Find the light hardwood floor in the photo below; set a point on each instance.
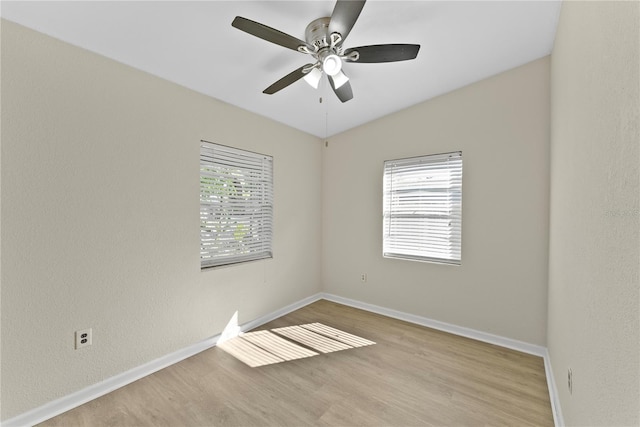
(412, 376)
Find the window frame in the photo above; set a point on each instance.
(418, 223)
(236, 205)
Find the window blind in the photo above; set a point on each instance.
(422, 212)
(236, 205)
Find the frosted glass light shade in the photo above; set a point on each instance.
(313, 77)
(339, 79)
(332, 64)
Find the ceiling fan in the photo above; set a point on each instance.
(324, 38)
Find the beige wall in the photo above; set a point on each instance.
(100, 223)
(502, 127)
(99, 214)
(594, 299)
(0, 228)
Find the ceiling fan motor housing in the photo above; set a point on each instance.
(325, 46)
(317, 35)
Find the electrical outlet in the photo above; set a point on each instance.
(83, 338)
(363, 277)
(570, 380)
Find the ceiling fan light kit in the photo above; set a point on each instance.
(331, 64)
(323, 41)
(313, 77)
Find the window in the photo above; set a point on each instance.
(236, 205)
(422, 213)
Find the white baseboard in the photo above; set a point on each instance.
(66, 403)
(279, 313)
(553, 392)
(73, 400)
(442, 326)
(521, 346)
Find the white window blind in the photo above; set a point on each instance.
(422, 213)
(236, 205)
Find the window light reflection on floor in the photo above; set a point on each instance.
(311, 339)
(261, 348)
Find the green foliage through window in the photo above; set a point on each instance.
(236, 208)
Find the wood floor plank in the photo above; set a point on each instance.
(249, 353)
(338, 335)
(412, 376)
(311, 339)
(277, 345)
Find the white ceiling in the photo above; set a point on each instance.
(193, 44)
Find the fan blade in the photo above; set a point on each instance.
(267, 33)
(344, 16)
(343, 92)
(292, 77)
(384, 52)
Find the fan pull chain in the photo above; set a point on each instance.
(326, 126)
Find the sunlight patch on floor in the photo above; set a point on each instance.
(311, 339)
(277, 345)
(261, 348)
(336, 334)
(249, 353)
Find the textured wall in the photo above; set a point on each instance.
(594, 299)
(501, 124)
(100, 218)
(0, 233)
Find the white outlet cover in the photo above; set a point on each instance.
(83, 338)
